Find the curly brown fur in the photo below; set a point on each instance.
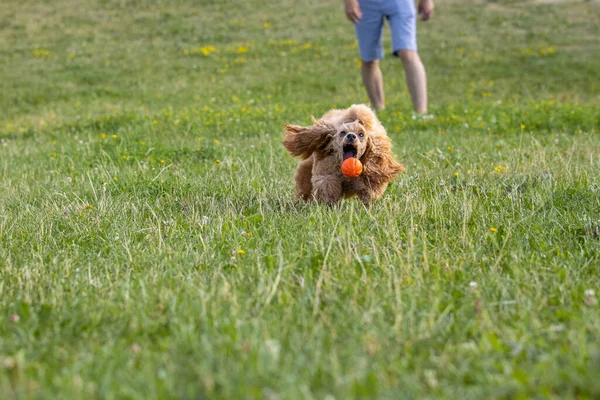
(339, 134)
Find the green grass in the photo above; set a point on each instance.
(151, 247)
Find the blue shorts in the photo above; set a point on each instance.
(402, 18)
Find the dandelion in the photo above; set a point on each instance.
(142, 143)
(115, 178)
(523, 126)
(242, 50)
(89, 207)
(154, 122)
(218, 161)
(449, 148)
(186, 52)
(114, 136)
(493, 230)
(240, 252)
(266, 24)
(124, 157)
(162, 161)
(54, 142)
(215, 141)
(500, 169)
(248, 234)
(456, 173)
(104, 135)
(53, 155)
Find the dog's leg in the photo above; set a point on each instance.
(327, 189)
(369, 194)
(304, 179)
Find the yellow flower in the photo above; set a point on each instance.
(218, 161)
(114, 136)
(142, 143)
(41, 53)
(104, 135)
(186, 52)
(456, 173)
(154, 122)
(124, 157)
(242, 50)
(53, 155)
(207, 50)
(266, 24)
(115, 178)
(493, 230)
(248, 234)
(500, 169)
(215, 141)
(449, 148)
(89, 207)
(522, 126)
(54, 142)
(240, 251)
(162, 161)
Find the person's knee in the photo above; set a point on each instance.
(370, 65)
(408, 56)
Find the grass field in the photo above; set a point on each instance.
(151, 246)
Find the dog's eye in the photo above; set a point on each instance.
(343, 133)
(361, 135)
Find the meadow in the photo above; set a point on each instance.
(151, 245)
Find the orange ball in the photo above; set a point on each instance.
(352, 167)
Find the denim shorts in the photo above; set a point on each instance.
(402, 19)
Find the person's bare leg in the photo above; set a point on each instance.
(373, 80)
(416, 80)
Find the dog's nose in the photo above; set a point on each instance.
(351, 137)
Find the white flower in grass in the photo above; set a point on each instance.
(590, 297)
(136, 348)
(473, 285)
(69, 179)
(205, 220)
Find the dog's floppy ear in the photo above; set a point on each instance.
(378, 164)
(302, 141)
